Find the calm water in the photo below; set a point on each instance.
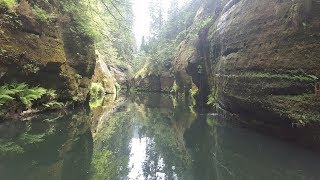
(146, 137)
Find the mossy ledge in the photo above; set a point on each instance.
(38, 49)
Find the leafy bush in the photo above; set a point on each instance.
(96, 91)
(8, 4)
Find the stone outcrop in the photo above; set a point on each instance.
(259, 58)
(102, 74)
(46, 53)
(154, 83)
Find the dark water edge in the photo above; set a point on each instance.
(148, 136)
(304, 136)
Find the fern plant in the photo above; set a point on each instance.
(6, 94)
(53, 105)
(27, 95)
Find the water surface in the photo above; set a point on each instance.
(146, 136)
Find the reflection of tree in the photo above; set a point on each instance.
(151, 164)
(111, 147)
(50, 145)
(162, 129)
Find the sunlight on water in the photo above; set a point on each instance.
(137, 157)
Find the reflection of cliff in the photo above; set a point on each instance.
(58, 148)
(233, 153)
(111, 135)
(100, 113)
(164, 125)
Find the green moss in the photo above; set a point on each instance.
(96, 103)
(303, 110)
(31, 68)
(96, 91)
(283, 76)
(175, 87)
(10, 147)
(8, 4)
(212, 98)
(78, 76)
(290, 77)
(117, 86)
(43, 15)
(211, 121)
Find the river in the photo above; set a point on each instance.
(148, 136)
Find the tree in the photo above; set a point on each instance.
(156, 14)
(143, 46)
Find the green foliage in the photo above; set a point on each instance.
(211, 120)
(302, 110)
(31, 67)
(10, 147)
(175, 87)
(290, 77)
(52, 105)
(167, 34)
(212, 99)
(118, 87)
(5, 95)
(111, 149)
(8, 4)
(78, 76)
(24, 138)
(94, 103)
(27, 138)
(52, 94)
(108, 24)
(26, 95)
(43, 15)
(96, 91)
(205, 23)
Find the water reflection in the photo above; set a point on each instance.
(146, 137)
(49, 147)
(151, 134)
(166, 140)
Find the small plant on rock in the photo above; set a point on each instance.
(8, 4)
(96, 91)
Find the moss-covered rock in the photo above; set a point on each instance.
(47, 53)
(103, 75)
(255, 53)
(255, 56)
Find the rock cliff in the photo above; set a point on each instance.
(257, 58)
(40, 45)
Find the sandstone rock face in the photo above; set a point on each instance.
(154, 83)
(166, 83)
(150, 83)
(48, 54)
(260, 58)
(102, 74)
(264, 50)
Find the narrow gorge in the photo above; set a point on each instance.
(151, 89)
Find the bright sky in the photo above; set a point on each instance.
(142, 18)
